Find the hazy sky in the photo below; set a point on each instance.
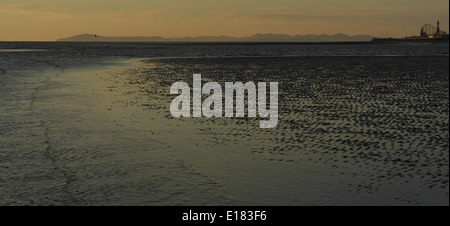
(42, 20)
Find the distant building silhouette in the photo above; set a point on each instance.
(430, 31)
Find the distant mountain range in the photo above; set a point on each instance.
(254, 38)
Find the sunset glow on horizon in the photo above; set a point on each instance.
(48, 20)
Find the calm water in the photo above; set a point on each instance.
(89, 124)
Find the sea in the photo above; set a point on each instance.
(89, 124)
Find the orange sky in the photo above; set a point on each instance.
(48, 20)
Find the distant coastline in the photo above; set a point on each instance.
(255, 38)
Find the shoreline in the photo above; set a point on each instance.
(281, 43)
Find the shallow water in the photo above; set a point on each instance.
(92, 126)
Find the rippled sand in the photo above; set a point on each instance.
(352, 131)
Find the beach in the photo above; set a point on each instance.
(94, 127)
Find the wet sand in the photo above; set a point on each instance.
(77, 153)
(352, 131)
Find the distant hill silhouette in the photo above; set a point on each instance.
(254, 38)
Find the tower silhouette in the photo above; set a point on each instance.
(438, 30)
